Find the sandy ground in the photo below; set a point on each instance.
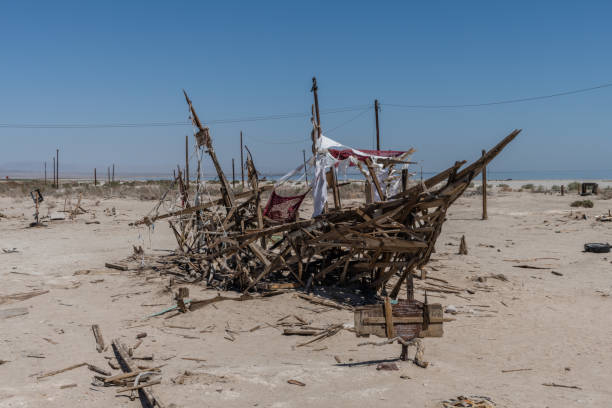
(557, 327)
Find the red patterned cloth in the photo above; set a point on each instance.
(283, 209)
(346, 153)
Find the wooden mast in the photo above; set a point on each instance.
(315, 88)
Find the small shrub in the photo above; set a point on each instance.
(504, 188)
(606, 193)
(527, 186)
(556, 188)
(540, 189)
(582, 203)
(574, 186)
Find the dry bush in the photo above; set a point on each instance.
(505, 188)
(605, 193)
(582, 203)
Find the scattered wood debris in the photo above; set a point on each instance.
(116, 266)
(552, 384)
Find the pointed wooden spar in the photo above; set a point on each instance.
(476, 167)
(381, 195)
(226, 191)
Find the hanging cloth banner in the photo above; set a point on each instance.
(283, 209)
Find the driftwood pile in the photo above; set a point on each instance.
(227, 243)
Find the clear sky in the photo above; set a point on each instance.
(65, 62)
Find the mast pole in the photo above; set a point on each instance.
(376, 109)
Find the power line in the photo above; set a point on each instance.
(348, 121)
(502, 102)
(292, 115)
(171, 124)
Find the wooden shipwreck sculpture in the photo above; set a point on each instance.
(225, 242)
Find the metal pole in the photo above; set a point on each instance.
(108, 174)
(187, 161)
(305, 172)
(233, 174)
(376, 108)
(95, 177)
(484, 190)
(57, 164)
(241, 159)
(53, 184)
(113, 179)
(45, 173)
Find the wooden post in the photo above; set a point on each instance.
(335, 189)
(57, 165)
(305, 172)
(376, 108)
(95, 177)
(241, 159)
(187, 161)
(463, 249)
(368, 192)
(484, 190)
(404, 179)
(314, 90)
(233, 174)
(562, 190)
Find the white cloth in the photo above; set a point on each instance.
(319, 186)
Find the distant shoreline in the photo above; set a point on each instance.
(515, 184)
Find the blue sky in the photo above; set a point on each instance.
(127, 62)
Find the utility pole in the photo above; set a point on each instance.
(113, 179)
(305, 172)
(241, 159)
(108, 174)
(187, 161)
(484, 190)
(57, 164)
(53, 184)
(233, 174)
(45, 173)
(376, 109)
(95, 177)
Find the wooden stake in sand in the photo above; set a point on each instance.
(97, 332)
(484, 189)
(463, 246)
